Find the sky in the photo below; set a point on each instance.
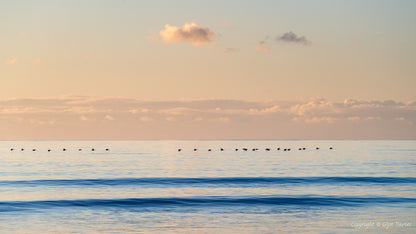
(207, 69)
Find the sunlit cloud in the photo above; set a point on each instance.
(109, 117)
(312, 120)
(316, 118)
(176, 111)
(85, 118)
(133, 111)
(190, 33)
(226, 25)
(37, 61)
(12, 61)
(263, 49)
(41, 122)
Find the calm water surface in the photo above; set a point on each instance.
(150, 186)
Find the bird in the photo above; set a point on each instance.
(11, 149)
(245, 149)
(317, 148)
(107, 149)
(236, 149)
(209, 149)
(284, 149)
(92, 149)
(222, 149)
(267, 149)
(278, 148)
(79, 149)
(195, 149)
(22, 149)
(33, 149)
(49, 150)
(179, 149)
(304, 148)
(63, 149)
(330, 148)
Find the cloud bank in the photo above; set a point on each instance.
(124, 118)
(190, 33)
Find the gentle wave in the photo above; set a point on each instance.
(208, 201)
(217, 181)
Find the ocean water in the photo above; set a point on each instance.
(151, 187)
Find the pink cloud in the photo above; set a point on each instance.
(263, 49)
(190, 32)
(12, 61)
(314, 118)
(37, 61)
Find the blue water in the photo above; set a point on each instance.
(150, 186)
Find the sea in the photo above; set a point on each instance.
(232, 186)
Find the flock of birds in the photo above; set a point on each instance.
(256, 149)
(195, 149)
(63, 149)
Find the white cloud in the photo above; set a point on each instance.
(190, 32)
(323, 119)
